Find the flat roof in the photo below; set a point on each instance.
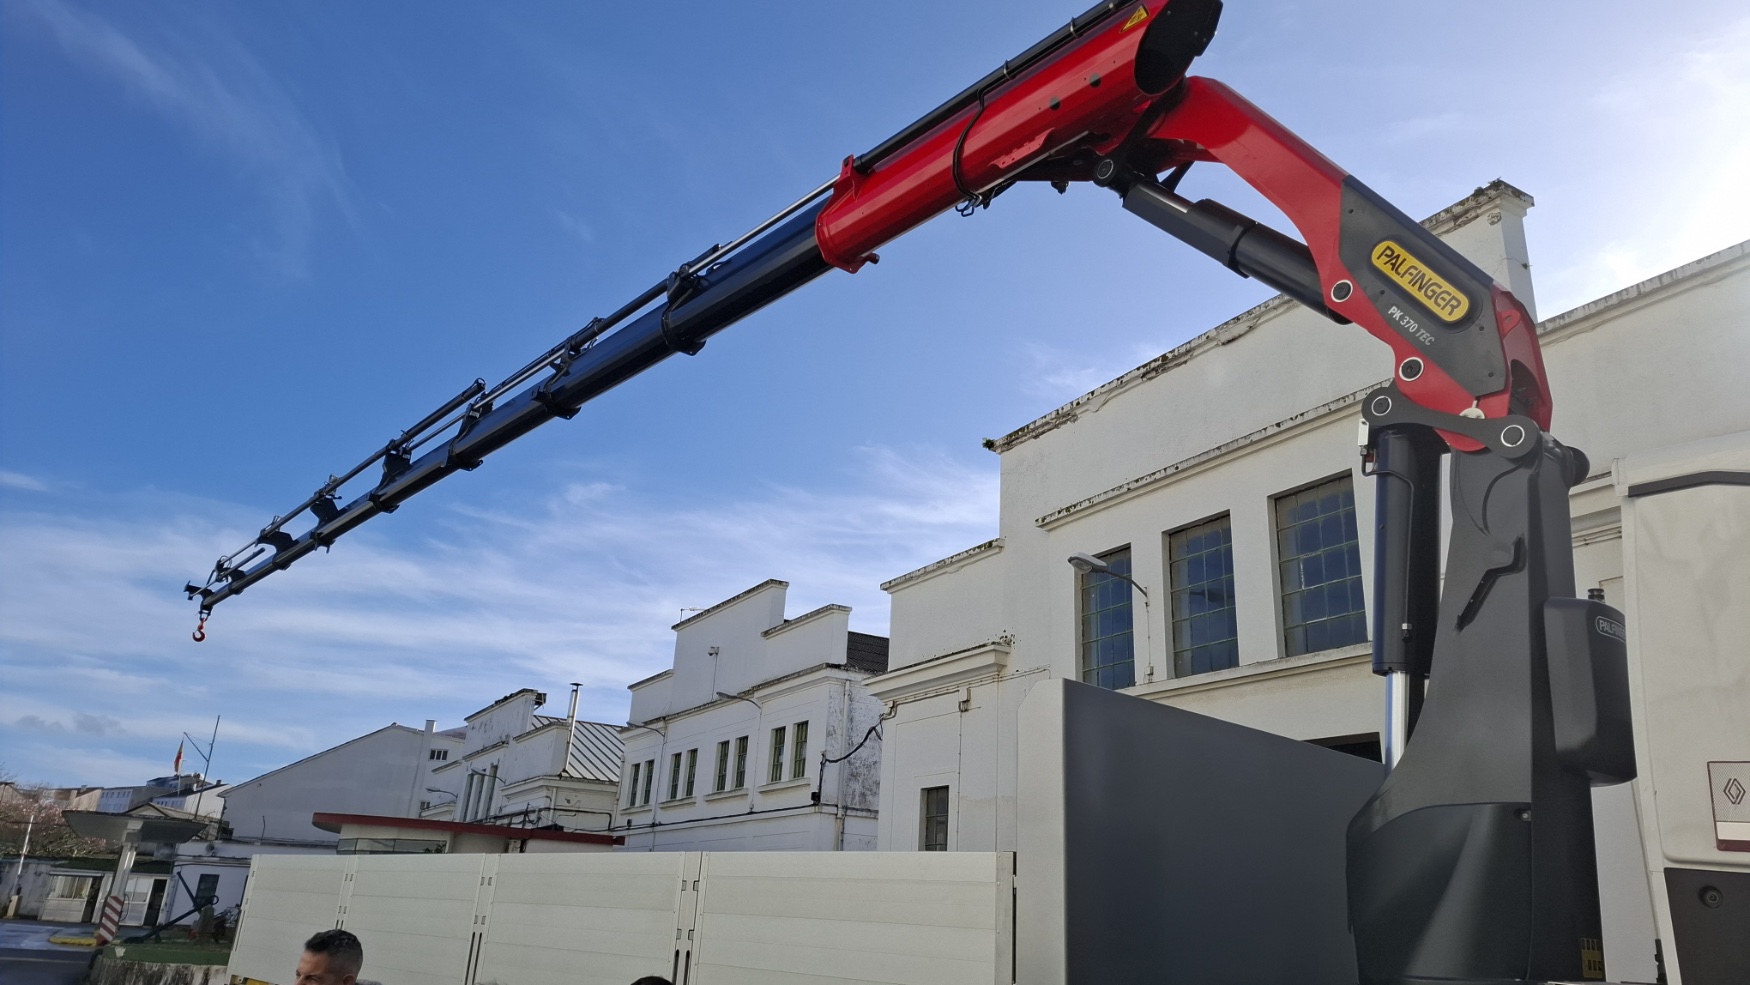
(333, 822)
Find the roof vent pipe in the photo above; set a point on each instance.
(573, 716)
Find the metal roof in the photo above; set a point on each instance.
(596, 752)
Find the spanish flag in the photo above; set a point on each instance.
(177, 766)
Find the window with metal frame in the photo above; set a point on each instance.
(1108, 655)
(799, 755)
(1201, 576)
(775, 770)
(1318, 552)
(649, 777)
(933, 820)
(692, 771)
(722, 783)
(740, 762)
(388, 846)
(71, 887)
(674, 776)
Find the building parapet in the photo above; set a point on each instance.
(726, 603)
(952, 562)
(1694, 274)
(806, 617)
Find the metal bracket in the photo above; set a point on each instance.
(1513, 436)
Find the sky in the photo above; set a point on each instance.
(243, 244)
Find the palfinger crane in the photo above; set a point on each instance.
(1474, 861)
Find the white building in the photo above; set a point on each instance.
(1224, 478)
(762, 735)
(201, 801)
(120, 800)
(382, 772)
(528, 770)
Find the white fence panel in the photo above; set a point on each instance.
(289, 898)
(719, 918)
(417, 914)
(827, 918)
(584, 919)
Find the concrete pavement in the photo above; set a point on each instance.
(27, 957)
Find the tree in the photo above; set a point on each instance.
(29, 807)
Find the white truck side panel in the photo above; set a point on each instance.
(290, 897)
(1686, 567)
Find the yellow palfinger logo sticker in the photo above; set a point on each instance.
(1447, 302)
(1136, 18)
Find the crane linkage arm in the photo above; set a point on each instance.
(1103, 99)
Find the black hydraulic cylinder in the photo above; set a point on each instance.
(1238, 243)
(1406, 548)
(767, 269)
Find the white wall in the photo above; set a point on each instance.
(780, 672)
(373, 774)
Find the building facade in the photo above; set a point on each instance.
(381, 772)
(1223, 477)
(524, 769)
(761, 736)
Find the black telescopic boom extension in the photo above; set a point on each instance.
(702, 298)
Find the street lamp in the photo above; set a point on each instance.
(1088, 564)
(725, 695)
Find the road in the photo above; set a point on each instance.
(27, 957)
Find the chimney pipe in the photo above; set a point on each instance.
(574, 689)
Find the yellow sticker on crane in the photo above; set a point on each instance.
(1136, 18)
(1447, 302)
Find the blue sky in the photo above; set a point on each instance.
(242, 244)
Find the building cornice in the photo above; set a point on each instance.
(652, 679)
(984, 660)
(1699, 273)
(806, 617)
(726, 603)
(539, 701)
(1252, 673)
(953, 562)
(1261, 438)
(772, 688)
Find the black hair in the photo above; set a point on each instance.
(652, 980)
(338, 945)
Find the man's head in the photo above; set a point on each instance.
(332, 957)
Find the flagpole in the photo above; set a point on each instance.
(210, 745)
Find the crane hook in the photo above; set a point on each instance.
(200, 631)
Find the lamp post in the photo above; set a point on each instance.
(1088, 564)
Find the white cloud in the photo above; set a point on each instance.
(1663, 182)
(18, 480)
(580, 585)
(212, 86)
